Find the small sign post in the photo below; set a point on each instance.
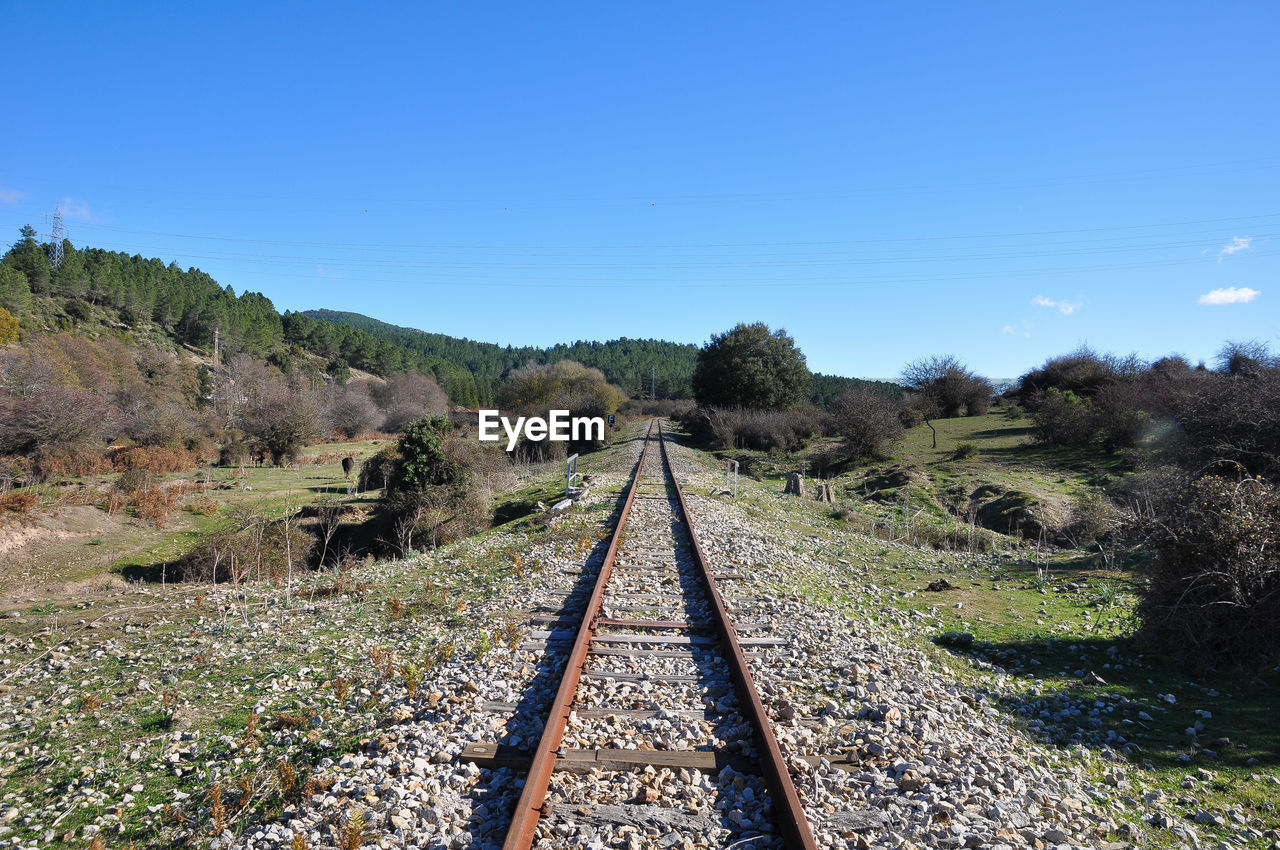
(731, 476)
(570, 473)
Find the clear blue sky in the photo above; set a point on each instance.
(886, 181)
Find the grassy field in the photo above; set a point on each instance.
(1054, 626)
(74, 543)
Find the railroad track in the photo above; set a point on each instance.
(656, 706)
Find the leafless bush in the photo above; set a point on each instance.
(762, 430)
(1093, 519)
(406, 398)
(350, 411)
(1214, 592)
(669, 407)
(255, 549)
(53, 421)
(867, 420)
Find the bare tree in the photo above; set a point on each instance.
(949, 384)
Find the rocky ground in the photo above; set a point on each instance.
(230, 717)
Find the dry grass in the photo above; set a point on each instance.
(20, 502)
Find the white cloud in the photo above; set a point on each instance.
(71, 208)
(1066, 308)
(1230, 295)
(10, 196)
(1007, 329)
(1238, 244)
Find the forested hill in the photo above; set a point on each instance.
(129, 296)
(629, 363)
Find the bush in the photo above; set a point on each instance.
(438, 485)
(377, 471)
(134, 479)
(21, 502)
(203, 505)
(260, 552)
(964, 451)
(1214, 593)
(761, 430)
(8, 327)
(158, 460)
(672, 408)
(281, 424)
(867, 420)
(154, 504)
(351, 412)
(1083, 372)
(53, 421)
(1093, 518)
(1063, 419)
(71, 463)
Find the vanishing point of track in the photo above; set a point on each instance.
(676, 616)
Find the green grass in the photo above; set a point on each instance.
(124, 545)
(1043, 619)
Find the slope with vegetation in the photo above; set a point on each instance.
(640, 366)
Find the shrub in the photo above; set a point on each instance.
(964, 451)
(134, 479)
(1093, 518)
(378, 470)
(281, 424)
(761, 430)
(351, 411)
(867, 420)
(8, 327)
(203, 506)
(1214, 593)
(71, 463)
(1083, 372)
(153, 459)
(438, 485)
(154, 505)
(1063, 419)
(53, 421)
(21, 502)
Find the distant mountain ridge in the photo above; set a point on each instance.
(629, 363)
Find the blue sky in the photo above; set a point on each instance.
(886, 181)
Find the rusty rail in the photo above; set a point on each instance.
(787, 807)
(524, 822)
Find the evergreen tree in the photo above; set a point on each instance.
(751, 366)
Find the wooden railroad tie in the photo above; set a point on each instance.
(492, 755)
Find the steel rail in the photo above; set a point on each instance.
(529, 808)
(787, 807)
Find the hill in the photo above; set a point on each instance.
(629, 363)
(96, 291)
